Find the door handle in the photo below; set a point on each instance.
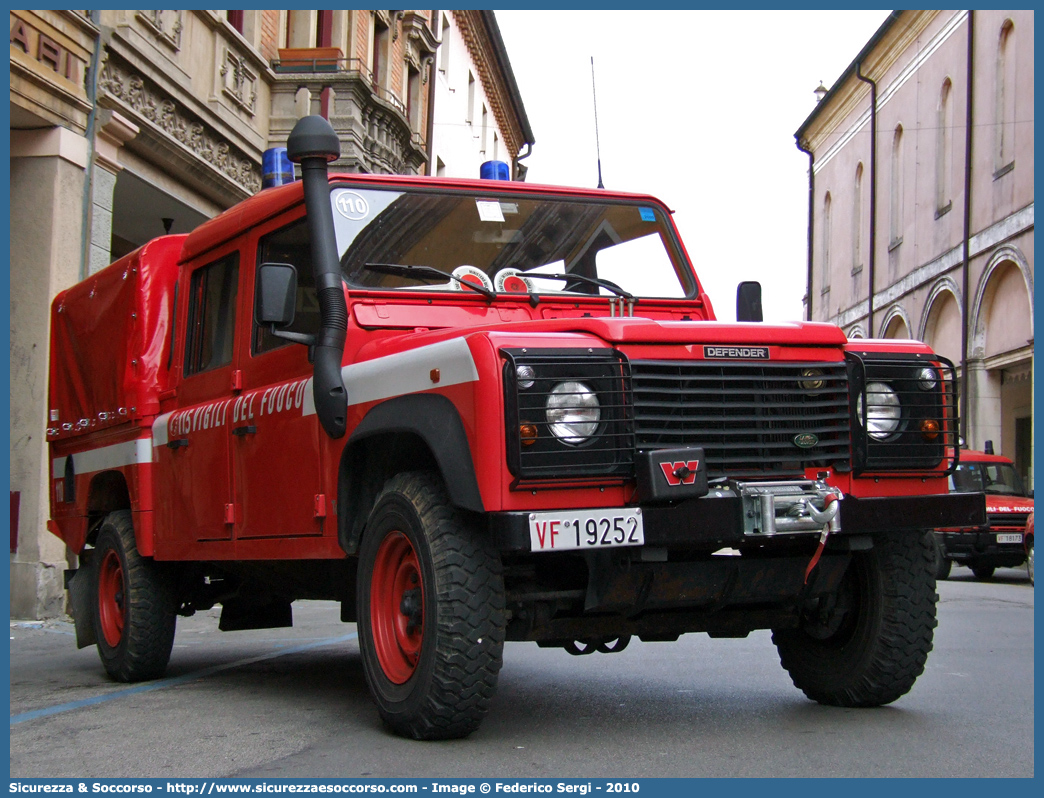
(177, 443)
(249, 429)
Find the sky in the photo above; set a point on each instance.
(697, 108)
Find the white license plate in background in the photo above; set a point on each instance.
(1015, 537)
(586, 529)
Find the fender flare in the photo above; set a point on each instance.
(434, 419)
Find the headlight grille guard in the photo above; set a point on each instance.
(909, 451)
(608, 457)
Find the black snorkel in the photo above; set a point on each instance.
(313, 144)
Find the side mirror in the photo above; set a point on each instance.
(276, 297)
(748, 301)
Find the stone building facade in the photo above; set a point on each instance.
(921, 206)
(128, 124)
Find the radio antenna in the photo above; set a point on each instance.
(598, 148)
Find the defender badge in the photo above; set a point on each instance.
(736, 352)
(806, 440)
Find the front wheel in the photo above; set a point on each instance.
(133, 607)
(872, 647)
(431, 612)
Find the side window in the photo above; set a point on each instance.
(212, 315)
(289, 245)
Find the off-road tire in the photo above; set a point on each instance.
(882, 642)
(437, 679)
(984, 573)
(132, 604)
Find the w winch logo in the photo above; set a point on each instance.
(680, 473)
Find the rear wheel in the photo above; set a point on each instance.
(134, 613)
(873, 645)
(983, 573)
(431, 612)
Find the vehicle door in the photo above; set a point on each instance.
(276, 453)
(194, 495)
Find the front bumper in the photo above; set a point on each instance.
(687, 577)
(979, 548)
(714, 522)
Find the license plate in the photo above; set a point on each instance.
(1009, 537)
(586, 529)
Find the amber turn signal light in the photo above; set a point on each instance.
(929, 429)
(527, 433)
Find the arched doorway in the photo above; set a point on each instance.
(896, 327)
(1001, 351)
(942, 328)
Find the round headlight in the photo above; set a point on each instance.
(882, 410)
(525, 377)
(927, 379)
(573, 412)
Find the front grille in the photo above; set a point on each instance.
(752, 419)
(1012, 520)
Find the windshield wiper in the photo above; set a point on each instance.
(580, 278)
(425, 273)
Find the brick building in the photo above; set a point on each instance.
(126, 124)
(921, 189)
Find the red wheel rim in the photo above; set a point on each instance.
(397, 607)
(112, 609)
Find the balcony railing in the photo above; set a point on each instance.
(325, 60)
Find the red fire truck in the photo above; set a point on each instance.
(474, 411)
(1007, 542)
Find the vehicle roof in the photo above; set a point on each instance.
(271, 201)
(974, 456)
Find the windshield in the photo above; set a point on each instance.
(507, 243)
(999, 478)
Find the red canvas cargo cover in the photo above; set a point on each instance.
(110, 342)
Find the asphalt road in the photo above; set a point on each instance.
(293, 703)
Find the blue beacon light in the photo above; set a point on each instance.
(494, 170)
(276, 169)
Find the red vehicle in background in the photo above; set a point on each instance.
(1007, 542)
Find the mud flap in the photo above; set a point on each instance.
(79, 583)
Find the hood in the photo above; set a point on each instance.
(637, 330)
(1008, 504)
